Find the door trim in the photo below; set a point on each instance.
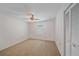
(68, 9)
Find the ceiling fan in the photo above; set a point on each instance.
(32, 17)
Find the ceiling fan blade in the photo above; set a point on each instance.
(37, 19)
(25, 18)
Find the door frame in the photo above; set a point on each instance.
(68, 9)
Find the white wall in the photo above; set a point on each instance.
(60, 29)
(43, 30)
(12, 31)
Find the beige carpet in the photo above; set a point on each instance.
(32, 47)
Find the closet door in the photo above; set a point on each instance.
(67, 33)
(75, 30)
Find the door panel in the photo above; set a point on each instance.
(75, 30)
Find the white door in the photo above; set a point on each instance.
(75, 30)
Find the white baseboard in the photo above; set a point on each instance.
(41, 38)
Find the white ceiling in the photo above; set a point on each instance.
(43, 11)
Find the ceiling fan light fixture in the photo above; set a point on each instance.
(32, 18)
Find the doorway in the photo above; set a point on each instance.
(71, 30)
